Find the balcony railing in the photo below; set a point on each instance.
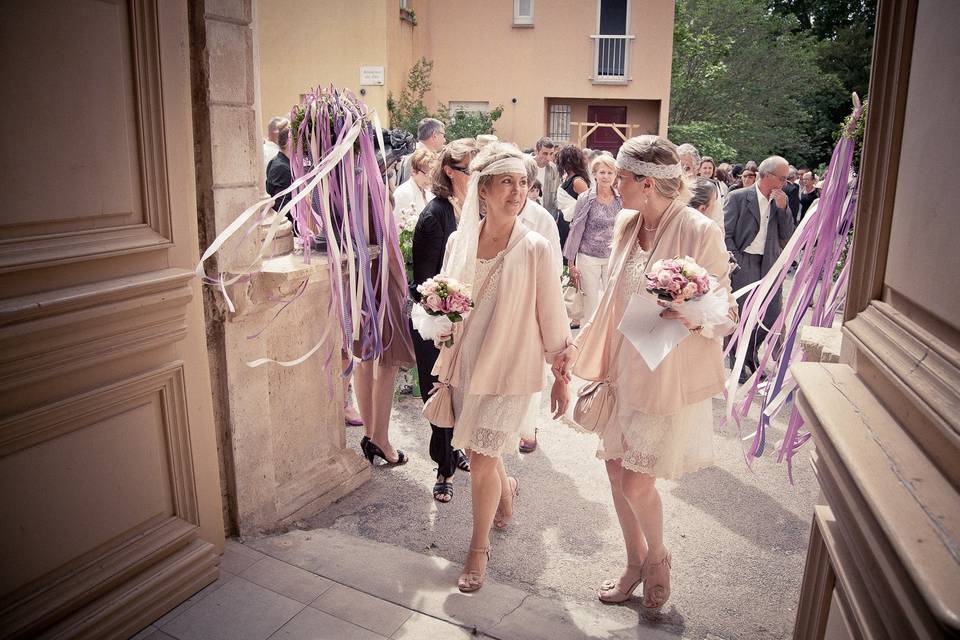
(611, 58)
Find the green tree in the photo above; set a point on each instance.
(408, 109)
(755, 75)
(468, 124)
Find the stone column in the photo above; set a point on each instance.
(280, 430)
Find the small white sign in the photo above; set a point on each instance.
(371, 76)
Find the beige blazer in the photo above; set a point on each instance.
(529, 324)
(694, 369)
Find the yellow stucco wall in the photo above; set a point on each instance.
(478, 55)
(303, 43)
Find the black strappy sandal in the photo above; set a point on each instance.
(463, 462)
(443, 488)
(375, 451)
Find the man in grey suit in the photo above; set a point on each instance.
(758, 223)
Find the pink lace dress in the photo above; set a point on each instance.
(661, 446)
(487, 423)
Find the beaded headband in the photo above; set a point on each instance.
(648, 169)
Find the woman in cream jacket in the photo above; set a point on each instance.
(661, 426)
(518, 322)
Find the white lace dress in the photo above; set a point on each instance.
(662, 446)
(487, 424)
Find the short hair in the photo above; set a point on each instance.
(276, 123)
(701, 192)
(536, 185)
(283, 134)
(423, 160)
(545, 141)
(532, 168)
(687, 149)
(708, 159)
(792, 173)
(454, 153)
(604, 159)
(769, 165)
(427, 127)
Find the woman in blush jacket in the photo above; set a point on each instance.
(662, 423)
(495, 367)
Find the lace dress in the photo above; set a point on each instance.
(487, 423)
(661, 446)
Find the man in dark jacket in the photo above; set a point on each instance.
(278, 173)
(758, 223)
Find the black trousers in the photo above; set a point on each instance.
(751, 270)
(441, 450)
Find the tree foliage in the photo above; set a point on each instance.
(407, 110)
(754, 71)
(468, 124)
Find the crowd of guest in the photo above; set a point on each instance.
(593, 222)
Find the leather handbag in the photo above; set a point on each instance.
(438, 409)
(596, 403)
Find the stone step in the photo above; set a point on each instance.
(427, 585)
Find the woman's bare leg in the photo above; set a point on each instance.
(633, 538)
(374, 386)
(486, 491)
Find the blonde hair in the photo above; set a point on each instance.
(656, 150)
(454, 153)
(423, 160)
(604, 159)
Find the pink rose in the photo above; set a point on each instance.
(434, 302)
(690, 290)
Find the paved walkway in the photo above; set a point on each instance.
(382, 562)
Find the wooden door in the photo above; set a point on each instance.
(606, 138)
(110, 500)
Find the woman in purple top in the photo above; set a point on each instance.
(587, 249)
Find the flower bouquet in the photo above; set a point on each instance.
(443, 301)
(406, 223)
(687, 287)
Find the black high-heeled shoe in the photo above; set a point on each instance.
(375, 451)
(365, 447)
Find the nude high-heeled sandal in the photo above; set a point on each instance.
(470, 581)
(610, 592)
(656, 583)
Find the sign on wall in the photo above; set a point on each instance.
(371, 76)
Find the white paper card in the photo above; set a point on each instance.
(652, 336)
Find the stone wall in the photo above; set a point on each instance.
(280, 430)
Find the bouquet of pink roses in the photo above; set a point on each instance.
(443, 301)
(687, 287)
(677, 280)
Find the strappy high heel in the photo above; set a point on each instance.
(656, 583)
(499, 522)
(375, 451)
(470, 581)
(610, 592)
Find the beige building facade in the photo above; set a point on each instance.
(553, 65)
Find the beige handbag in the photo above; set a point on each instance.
(573, 301)
(438, 409)
(596, 400)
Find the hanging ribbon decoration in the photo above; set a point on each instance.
(818, 243)
(338, 199)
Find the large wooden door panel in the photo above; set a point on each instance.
(110, 500)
